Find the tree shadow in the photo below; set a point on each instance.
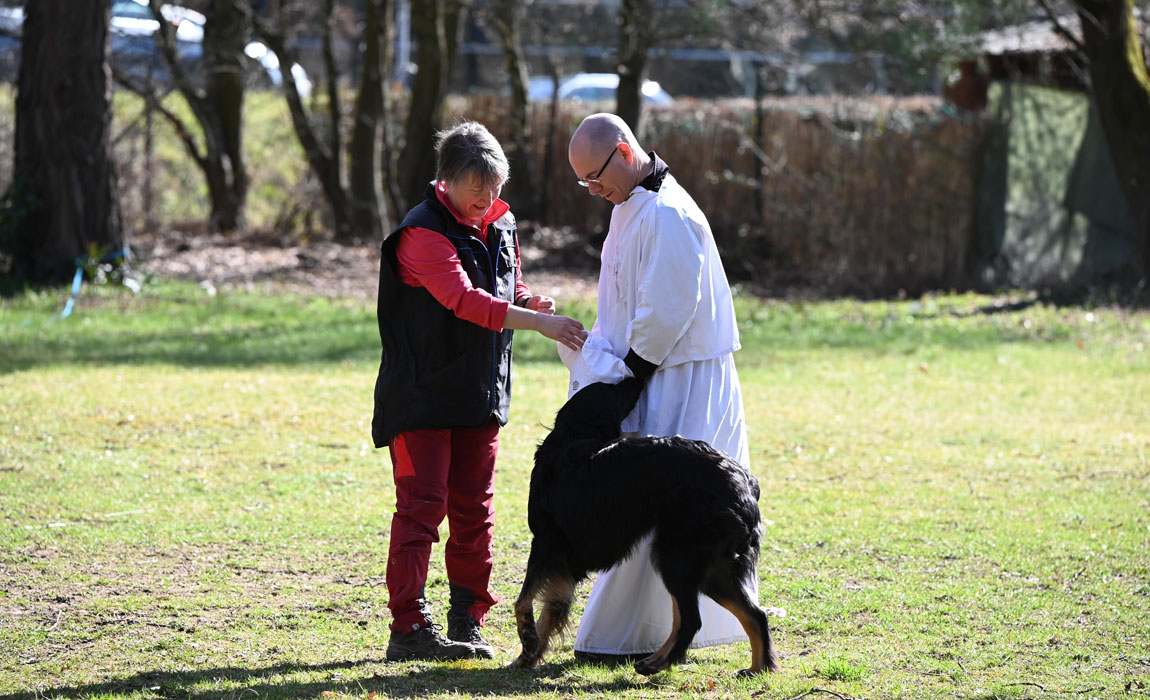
(420, 681)
(321, 342)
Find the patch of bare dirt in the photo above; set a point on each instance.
(556, 262)
(133, 591)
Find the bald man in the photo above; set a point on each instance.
(665, 314)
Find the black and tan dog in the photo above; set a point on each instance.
(595, 494)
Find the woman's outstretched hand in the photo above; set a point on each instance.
(541, 304)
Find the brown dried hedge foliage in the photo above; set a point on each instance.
(863, 196)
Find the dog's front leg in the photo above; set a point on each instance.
(525, 624)
(558, 592)
(533, 582)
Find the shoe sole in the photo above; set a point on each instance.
(420, 657)
(482, 651)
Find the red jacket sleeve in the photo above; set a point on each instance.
(428, 260)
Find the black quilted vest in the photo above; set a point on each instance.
(437, 370)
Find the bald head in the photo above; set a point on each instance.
(605, 152)
(601, 132)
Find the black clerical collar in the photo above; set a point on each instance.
(659, 170)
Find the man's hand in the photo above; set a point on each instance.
(538, 314)
(561, 329)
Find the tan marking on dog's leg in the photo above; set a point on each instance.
(658, 660)
(754, 634)
(525, 624)
(557, 597)
(675, 622)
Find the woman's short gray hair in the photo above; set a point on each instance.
(468, 149)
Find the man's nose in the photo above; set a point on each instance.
(594, 187)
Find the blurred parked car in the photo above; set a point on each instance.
(134, 18)
(591, 87)
(132, 44)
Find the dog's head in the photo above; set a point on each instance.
(597, 410)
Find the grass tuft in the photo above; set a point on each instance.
(839, 669)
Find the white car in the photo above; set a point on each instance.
(592, 87)
(135, 18)
(132, 44)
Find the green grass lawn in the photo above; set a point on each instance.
(957, 503)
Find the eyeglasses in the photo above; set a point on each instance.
(586, 181)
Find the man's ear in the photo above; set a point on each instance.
(627, 153)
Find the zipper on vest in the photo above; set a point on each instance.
(495, 358)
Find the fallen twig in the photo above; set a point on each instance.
(1028, 683)
(822, 690)
(123, 512)
(59, 617)
(1074, 578)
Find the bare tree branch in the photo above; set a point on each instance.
(181, 129)
(1059, 29)
(166, 40)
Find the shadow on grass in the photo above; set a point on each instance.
(177, 326)
(270, 681)
(335, 340)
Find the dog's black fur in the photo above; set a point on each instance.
(595, 494)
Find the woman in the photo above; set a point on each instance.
(450, 295)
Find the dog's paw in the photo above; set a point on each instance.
(650, 666)
(523, 661)
(747, 672)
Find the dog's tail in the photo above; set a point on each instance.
(746, 510)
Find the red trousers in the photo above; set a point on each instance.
(442, 473)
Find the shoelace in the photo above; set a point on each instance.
(436, 629)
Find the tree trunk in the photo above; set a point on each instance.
(635, 32)
(436, 25)
(225, 35)
(507, 20)
(541, 212)
(63, 178)
(369, 214)
(219, 110)
(1122, 91)
(331, 74)
(390, 128)
(323, 156)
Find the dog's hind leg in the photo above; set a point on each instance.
(674, 651)
(681, 573)
(676, 621)
(729, 593)
(658, 660)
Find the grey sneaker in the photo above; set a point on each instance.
(464, 628)
(427, 644)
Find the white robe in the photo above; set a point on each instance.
(663, 293)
